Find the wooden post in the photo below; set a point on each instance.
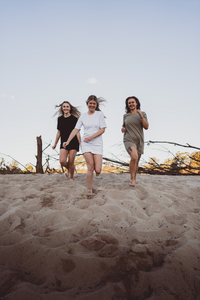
(39, 155)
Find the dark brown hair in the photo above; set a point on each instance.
(127, 109)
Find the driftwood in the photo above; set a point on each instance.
(188, 165)
(178, 166)
(173, 143)
(39, 168)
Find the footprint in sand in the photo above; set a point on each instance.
(176, 219)
(82, 204)
(47, 200)
(73, 214)
(101, 200)
(68, 265)
(92, 244)
(108, 251)
(142, 193)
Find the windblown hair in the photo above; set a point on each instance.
(127, 109)
(97, 100)
(73, 111)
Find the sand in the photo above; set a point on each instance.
(59, 242)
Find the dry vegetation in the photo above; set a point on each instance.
(181, 163)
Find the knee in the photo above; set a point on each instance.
(90, 167)
(134, 157)
(71, 164)
(98, 170)
(62, 162)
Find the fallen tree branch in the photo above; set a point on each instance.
(173, 143)
(116, 161)
(194, 158)
(16, 161)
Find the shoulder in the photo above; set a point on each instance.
(60, 118)
(126, 115)
(99, 113)
(144, 114)
(73, 118)
(84, 115)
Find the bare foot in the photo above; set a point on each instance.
(71, 179)
(67, 173)
(97, 174)
(132, 183)
(136, 182)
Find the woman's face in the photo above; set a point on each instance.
(132, 104)
(92, 105)
(66, 108)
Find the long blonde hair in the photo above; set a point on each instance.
(73, 110)
(97, 100)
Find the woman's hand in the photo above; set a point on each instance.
(140, 113)
(123, 129)
(144, 122)
(56, 140)
(65, 144)
(88, 139)
(98, 133)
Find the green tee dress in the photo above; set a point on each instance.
(134, 131)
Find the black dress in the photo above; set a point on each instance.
(65, 126)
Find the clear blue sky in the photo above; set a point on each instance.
(56, 50)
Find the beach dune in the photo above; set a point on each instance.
(57, 241)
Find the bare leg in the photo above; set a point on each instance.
(133, 164)
(139, 155)
(63, 160)
(89, 158)
(97, 164)
(72, 154)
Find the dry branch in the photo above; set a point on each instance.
(173, 143)
(17, 162)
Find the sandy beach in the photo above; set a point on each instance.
(59, 242)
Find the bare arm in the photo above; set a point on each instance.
(98, 133)
(56, 140)
(144, 123)
(72, 135)
(79, 137)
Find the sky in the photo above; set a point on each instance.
(65, 50)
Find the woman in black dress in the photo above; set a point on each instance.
(66, 123)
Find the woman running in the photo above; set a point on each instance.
(66, 123)
(94, 126)
(133, 123)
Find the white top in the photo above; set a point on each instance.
(92, 124)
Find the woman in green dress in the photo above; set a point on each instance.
(133, 123)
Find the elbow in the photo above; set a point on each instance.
(76, 131)
(103, 130)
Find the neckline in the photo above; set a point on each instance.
(66, 117)
(133, 114)
(91, 114)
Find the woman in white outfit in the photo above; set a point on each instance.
(94, 126)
